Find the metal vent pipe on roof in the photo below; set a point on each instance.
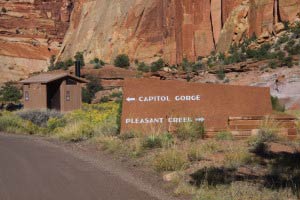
(77, 68)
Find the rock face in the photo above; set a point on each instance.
(145, 30)
(172, 29)
(30, 32)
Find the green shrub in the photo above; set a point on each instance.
(273, 64)
(79, 57)
(10, 93)
(276, 105)
(39, 117)
(197, 66)
(296, 30)
(268, 132)
(152, 141)
(75, 132)
(190, 130)
(167, 140)
(186, 65)
(92, 87)
(170, 160)
(13, 124)
(283, 39)
(122, 61)
(97, 63)
(224, 135)
(221, 74)
(157, 65)
(53, 123)
(287, 61)
(143, 67)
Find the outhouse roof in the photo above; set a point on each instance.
(49, 77)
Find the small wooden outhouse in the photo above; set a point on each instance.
(59, 91)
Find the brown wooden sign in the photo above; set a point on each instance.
(151, 104)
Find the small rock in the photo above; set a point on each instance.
(170, 176)
(279, 27)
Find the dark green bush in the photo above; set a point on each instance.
(283, 39)
(92, 87)
(79, 57)
(157, 65)
(287, 61)
(276, 105)
(151, 142)
(122, 61)
(60, 65)
(273, 64)
(221, 74)
(97, 63)
(143, 67)
(10, 93)
(296, 30)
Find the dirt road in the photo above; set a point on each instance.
(33, 171)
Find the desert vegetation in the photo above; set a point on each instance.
(122, 61)
(10, 93)
(218, 168)
(66, 64)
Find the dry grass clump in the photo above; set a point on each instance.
(184, 189)
(170, 160)
(237, 157)
(191, 130)
(75, 132)
(224, 135)
(241, 191)
(110, 143)
(12, 123)
(210, 147)
(135, 147)
(152, 141)
(195, 153)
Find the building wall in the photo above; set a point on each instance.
(74, 102)
(37, 96)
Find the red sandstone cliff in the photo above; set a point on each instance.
(172, 29)
(32, 30)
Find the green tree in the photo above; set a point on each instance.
(92, 87)
(122, 61)
(79, 57)
(9, 92)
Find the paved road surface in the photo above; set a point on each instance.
(31, 171)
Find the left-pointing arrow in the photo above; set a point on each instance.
(129, 99)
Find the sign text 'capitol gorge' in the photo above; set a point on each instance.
(164, 98)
